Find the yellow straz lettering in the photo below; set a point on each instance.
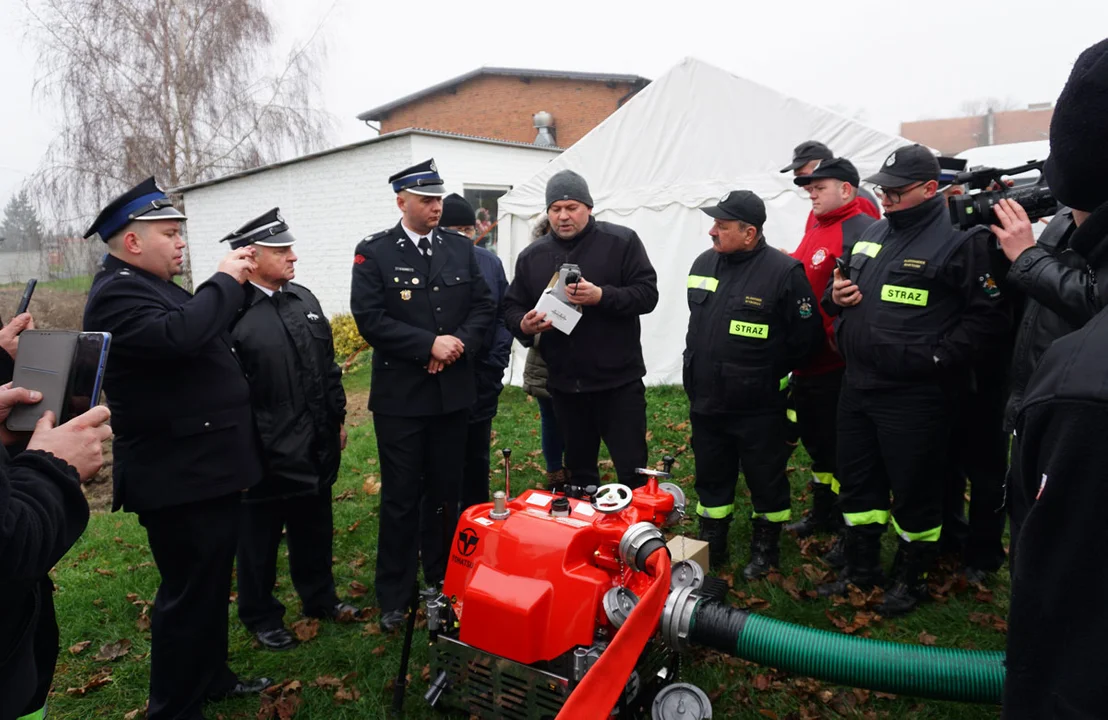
(904, 295)
(751, 330)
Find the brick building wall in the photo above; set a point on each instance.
(953, 135)
(501, 107)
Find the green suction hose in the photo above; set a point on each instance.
(914, 670)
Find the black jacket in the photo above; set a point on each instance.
(752, 320)
(1061, 295)
(929, 301)
(284, 344)
(401, 303)
(1057, 627)
(42, 514)
(605, 350)
(180, 403)
(496, 348)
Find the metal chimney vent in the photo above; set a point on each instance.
(544, 122)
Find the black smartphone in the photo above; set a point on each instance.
(28, 291)
(844, 269)
(89, 361)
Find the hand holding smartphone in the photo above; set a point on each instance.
(66, 367)
(25, 301)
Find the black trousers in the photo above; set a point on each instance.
(894, 442)
(721, 443)
(309, 524)
(817, 409)
(979, 452)
(421, 477)
(475, 483)
(194, 548)
(616, 416)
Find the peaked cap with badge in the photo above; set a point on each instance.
(267, 230)
(907, 165)
(421, 179)
(145, 201)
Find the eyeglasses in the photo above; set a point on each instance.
(896, 194)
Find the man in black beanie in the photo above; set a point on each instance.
(1057, 624)
(595, 373)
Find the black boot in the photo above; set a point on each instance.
(819, 517)
(765, 548)
(714, 532)
(862, 547)
(909, 589)
(836, 556)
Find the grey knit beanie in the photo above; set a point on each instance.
(567, 185)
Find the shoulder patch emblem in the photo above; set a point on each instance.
(359, 259)
(818, 257)
(312, 316)
(988, 285)
(804, 308)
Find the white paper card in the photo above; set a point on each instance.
(564, 316)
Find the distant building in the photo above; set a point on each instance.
(953, 135)
(501, 103)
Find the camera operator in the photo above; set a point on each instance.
(1057, 624)
(595, 374)
(42, 514)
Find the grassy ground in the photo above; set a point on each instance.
(345, 671)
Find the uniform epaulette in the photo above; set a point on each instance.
(375, 236)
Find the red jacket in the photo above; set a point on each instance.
(823, 243)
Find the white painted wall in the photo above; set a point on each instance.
(332, 202)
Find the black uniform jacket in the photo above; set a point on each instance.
(402, 302)
(929, 301)
(179, 399)
(1057, 624)
(284, 344)
(604, 351)
(752, 320)
(1061, 292)
(42, 514)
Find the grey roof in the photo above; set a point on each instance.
(379, 113)
(351, 146)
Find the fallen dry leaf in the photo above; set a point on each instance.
(761, 682)
(926, 639)
(306, 629)
(372, 485)
(113, 651)
(143, 622)
(105, 573)
(357, 589)
(354, 527)
(80, 647)
(347, 494)
(99, 680)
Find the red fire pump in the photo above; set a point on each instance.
(557, 593)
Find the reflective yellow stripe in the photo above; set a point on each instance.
(869, 517)
(904, 295)
(751, 330)
(835, 486)
(869, 249)
(716, 513)
(790, 415)
(823, 478)
(784, 383)
(36, 715)
(777, 517)
(702, 282)
(931, 535)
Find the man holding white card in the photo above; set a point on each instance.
(594, 360)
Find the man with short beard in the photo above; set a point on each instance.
(185, 446)
(420, 301)
(595, 373)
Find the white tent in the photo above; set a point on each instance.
(680, 144)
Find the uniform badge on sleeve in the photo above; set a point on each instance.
(804, 307)
(989, 285)
(358, 259)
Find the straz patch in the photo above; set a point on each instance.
(913, 264)
(753, 301)
(750, 330)
(804, 307)
(988, 284)
(904, 295)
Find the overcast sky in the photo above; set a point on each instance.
(872, 60)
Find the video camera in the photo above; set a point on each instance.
(976, 208)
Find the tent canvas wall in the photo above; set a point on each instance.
(680, 144)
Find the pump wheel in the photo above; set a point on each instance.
(611, 498)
